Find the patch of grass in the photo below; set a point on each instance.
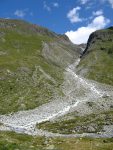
(12, 141)
(1, 124)
(79, 124)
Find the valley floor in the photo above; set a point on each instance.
(13, 141)
(79, 93)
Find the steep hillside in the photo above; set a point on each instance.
(97, 59)
(40, 68)
(32, 60)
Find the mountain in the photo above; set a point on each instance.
(91, 83)
(32, 61)
(97, 59)
(47, 100)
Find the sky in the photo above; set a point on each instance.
(75, 18)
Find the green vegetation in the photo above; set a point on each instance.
(27, 78)
(21, 82)
(79, 124)
(98, 60)
(13, 141)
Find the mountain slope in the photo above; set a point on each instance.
(32, 60)
(38, 66)
(97, 59)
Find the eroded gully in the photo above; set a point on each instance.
(25, 121)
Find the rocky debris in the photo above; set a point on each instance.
(26, 120)
(2, 34)
(59, 54)
(86, 129)
(78, 92)
(3, 53)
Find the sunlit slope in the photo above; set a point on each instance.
(97, 60)
(30, 69)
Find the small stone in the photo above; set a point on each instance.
(50, 147)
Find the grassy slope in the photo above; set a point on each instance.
(12, 141)
(79, 124)
(98, 62)
(27, 79)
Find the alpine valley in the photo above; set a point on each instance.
(54, 95)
